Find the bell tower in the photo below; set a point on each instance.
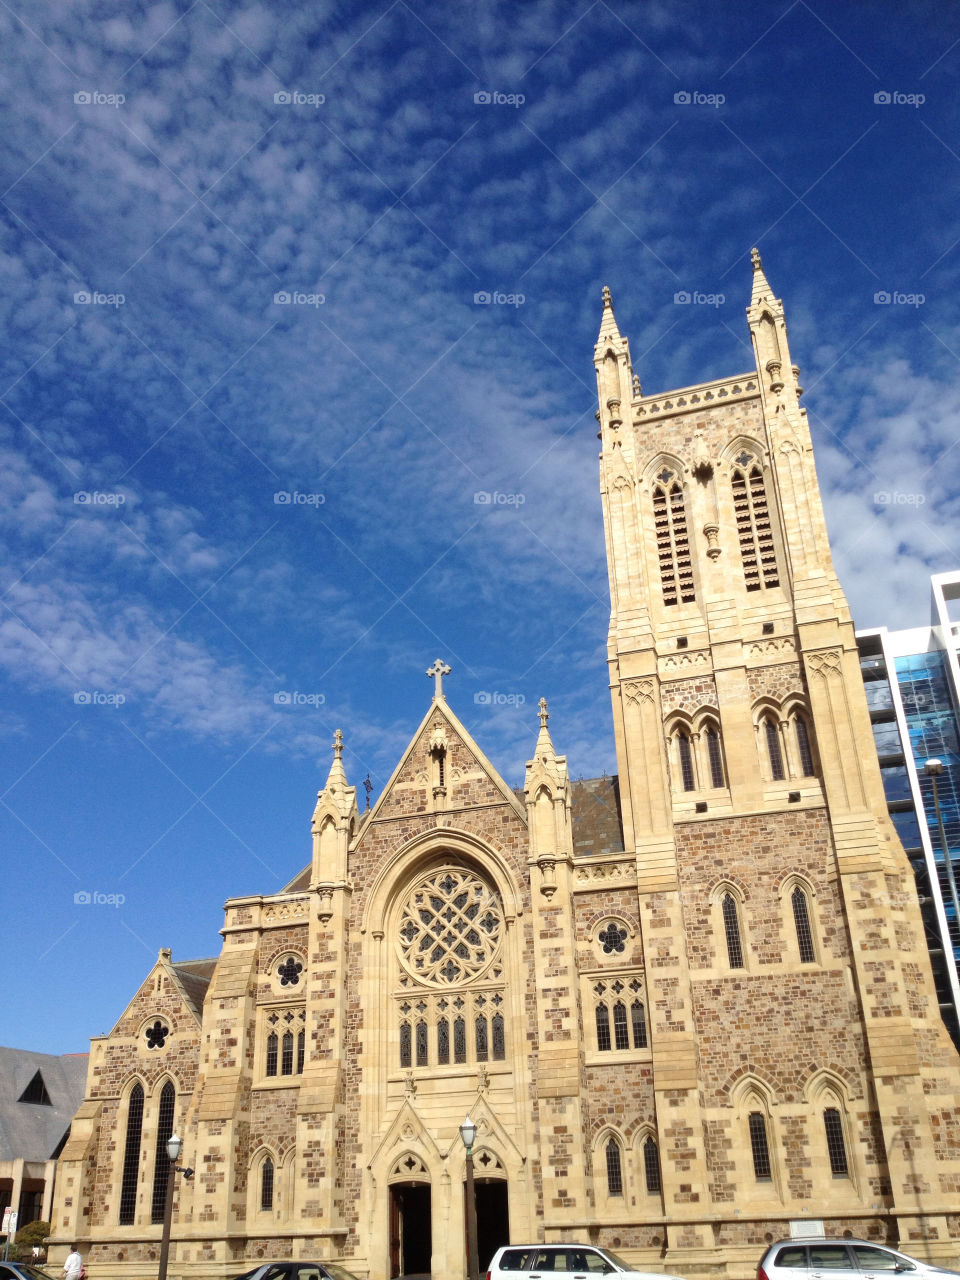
(785, 959)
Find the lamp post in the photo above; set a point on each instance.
(174, 1147)
(468, 1132)
(933, 769)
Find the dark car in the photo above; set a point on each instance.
(290, 1271)
(22, 1271)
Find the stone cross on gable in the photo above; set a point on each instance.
(543, 713)
(337, 744)
(438, 671)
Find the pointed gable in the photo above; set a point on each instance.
(469, 778)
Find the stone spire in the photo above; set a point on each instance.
(608, 321)
(337, 777)
(761, 291)
(544, 750)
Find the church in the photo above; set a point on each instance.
(689, 1008)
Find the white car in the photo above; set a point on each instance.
(562, 1262)
(841, 1260)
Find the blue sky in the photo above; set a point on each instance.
(181, 165)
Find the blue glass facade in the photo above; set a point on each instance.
(932, 726)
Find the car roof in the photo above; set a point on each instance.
(882, 1244)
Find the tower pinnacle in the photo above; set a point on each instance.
(608, 321)
(337, 777)
(761, 291)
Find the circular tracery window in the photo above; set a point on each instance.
(451, 927)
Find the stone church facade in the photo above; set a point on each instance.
(687, 1007)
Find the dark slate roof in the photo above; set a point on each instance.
(300, 881)
(29, 1129)
(597, 821)
(195, 977)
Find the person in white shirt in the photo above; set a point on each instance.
(73, 1265)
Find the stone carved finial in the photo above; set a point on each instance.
(543, 713)
(755, 259)
(607, 299)
(337, 744)
(438, 671)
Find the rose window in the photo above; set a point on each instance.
(451, 928)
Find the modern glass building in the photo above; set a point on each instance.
(912, 682)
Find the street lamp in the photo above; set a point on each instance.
(468, 1132)
(933, 769)
(174, 1147)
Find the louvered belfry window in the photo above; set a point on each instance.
(673, 541)
(754, 526)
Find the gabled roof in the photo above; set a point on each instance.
(195, 978)
(34, 1130)
(596, 817)
(440, 706)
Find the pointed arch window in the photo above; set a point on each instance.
(772, 735)
(754, 526)
(714, 757)
(459, 1040)
(686, 762)
(266, 1185)
(286, 1054)
(603, 1027)
(443, 1042)
(651, 1167)
(638, 1016)
(673, 541)
(621, 1037)
(499, 1038)
(758, 1146)
(131, 1158)
(483, 1044)
(273, 1049)
(406, 1045)
(836, 1148)
(421, 1043)
(731, 928)
(801, 918)
(301, 1050)
(614, 1169)
(161, 1161)
(803, 747)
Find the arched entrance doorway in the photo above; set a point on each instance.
(411, 1227)
(493, 1214)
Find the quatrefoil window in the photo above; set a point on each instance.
(743, 458)
(289, 972)
(450, 928)
(612, 938)
(156, 1035)
(665, 475)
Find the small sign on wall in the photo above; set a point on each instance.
(801, 1227)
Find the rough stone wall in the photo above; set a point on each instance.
(777, 682)
(688, 695)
